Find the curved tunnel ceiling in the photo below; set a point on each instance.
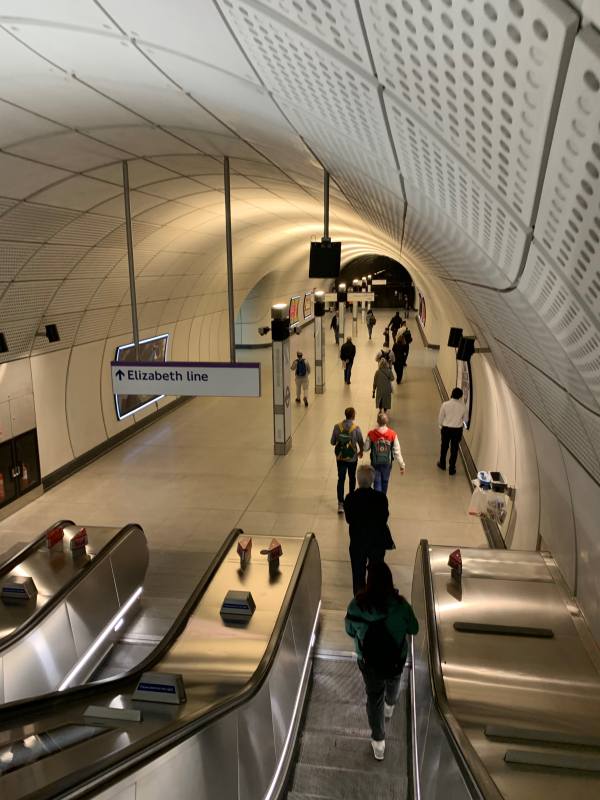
(464, 139)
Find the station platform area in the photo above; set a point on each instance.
(208, 467)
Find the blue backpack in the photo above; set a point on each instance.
(300, 368)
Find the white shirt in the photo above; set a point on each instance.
(453, 413)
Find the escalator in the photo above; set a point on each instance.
(244, 686)
(505, 685)
(59, 596)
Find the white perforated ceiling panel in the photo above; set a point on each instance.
(483, 75)
(568, 224)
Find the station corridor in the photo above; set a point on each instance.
(208, 466)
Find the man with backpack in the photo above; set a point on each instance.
(379, 620)
(400, 351)
(367, 514)
(347, 440)
(301, 369)
(383, 444)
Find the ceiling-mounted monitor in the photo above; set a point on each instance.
(325, 259)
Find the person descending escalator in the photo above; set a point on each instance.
(379, 620)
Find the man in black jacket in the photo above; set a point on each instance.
(347, 354)
(367, 514)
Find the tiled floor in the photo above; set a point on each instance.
(208, 466)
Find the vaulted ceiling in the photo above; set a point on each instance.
(463, 137)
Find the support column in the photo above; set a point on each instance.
(369, 289)
(355, 289)
(282, 412)
(130, 262)
(341, 296)
(229, 248)
(319, 311)
(363, 304)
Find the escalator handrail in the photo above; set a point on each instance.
(473, 770)
(16, 558)
(119, 765)
(40, 615)
(45, 701)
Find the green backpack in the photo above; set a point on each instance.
(345, 448)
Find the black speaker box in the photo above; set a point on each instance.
(466, 348)
(454, 337)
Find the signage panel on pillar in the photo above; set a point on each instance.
(186, 378)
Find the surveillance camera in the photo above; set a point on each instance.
(264, 330)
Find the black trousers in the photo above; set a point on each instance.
(450, 438)
(359, 557)
(399, 369)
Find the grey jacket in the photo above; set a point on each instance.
(382, 386)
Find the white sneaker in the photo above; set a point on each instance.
(340, 508)
(388, 711)
(378, 749)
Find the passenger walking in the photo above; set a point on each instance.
(452, 418)
(400, 351)
(382, 442)
(379, 620)
(406, 305)
(347, 440)
(301, 369)
(367, 514)
(395, 324)
(335, 327)
(347, 354)
(370, 320)
(382, 385)
(386, 353)
(386, 337)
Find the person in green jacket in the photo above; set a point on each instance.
(380, 601)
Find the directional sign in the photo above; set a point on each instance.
(379, 282)
(352, 297)
(179, 378)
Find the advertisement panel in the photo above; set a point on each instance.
(151, 350)
(422, 310)
(295, 310)
(308, 306)
(464, 381)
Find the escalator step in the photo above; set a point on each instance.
(341, 784)
(341, 752)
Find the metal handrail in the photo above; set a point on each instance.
(21, 707)
(472, 768)
(117, 766)
(16, 558)
(39, 616)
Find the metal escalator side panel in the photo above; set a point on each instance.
(65, 638)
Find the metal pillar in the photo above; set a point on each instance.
(363, 304)
(325, 204)
(369, 288)
(130, 262)
(341, 296)
(282, 412)
(229, 247)
(355, 289)
(319, 309)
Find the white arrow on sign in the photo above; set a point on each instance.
(186, 378)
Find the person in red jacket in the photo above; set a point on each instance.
(383, 444)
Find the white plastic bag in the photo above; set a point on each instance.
(478, 504)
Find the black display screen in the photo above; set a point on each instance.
(325, 260)
(41, 745)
